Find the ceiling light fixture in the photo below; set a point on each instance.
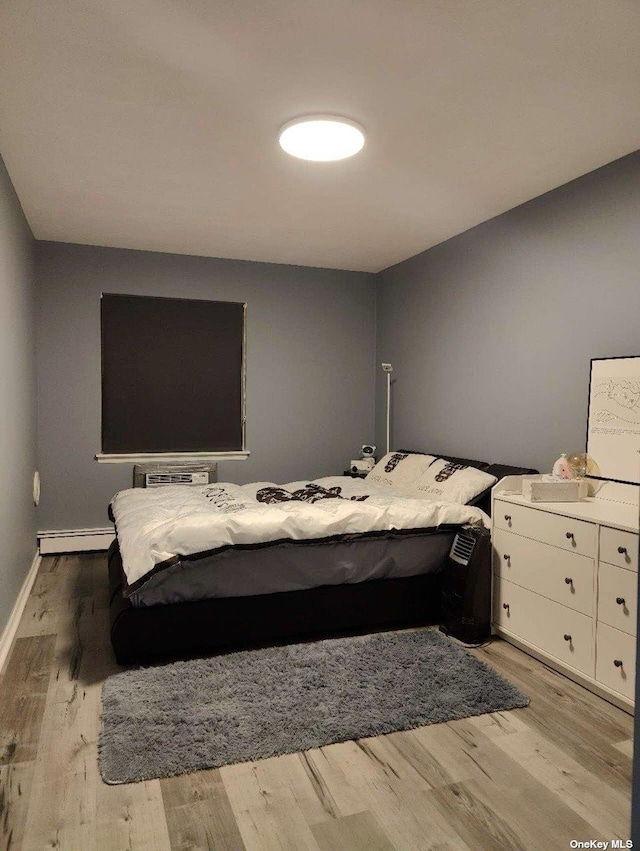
(321, 138)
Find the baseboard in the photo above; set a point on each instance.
(56, 541)
(9, 632)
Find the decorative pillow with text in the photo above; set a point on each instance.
(449, 481)
(399, 469)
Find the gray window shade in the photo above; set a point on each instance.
(172, 375)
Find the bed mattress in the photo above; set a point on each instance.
(295, 566)
(171, 529)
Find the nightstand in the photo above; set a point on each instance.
(565, 583)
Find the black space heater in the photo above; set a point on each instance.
(466, 587)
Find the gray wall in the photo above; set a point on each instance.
(310, 369)
(491, 333)
(18, 390)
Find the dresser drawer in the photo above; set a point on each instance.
(558, 574)
(617, 597)
(545, 624)
(619, 548)
(616, 660)
(576, 536)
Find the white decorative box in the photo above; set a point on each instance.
(548, 489)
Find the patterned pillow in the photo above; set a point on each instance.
(449, 481)
(398, 469)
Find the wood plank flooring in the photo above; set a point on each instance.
(534, 778)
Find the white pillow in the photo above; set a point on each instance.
(398, 469)
(446, 480)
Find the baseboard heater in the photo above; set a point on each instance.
(57, 541)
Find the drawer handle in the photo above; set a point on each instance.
(620, 601)
(622, 551)
(567, 637)
(617, 663)
(506, 557)
(568, 580)
(507, 517)
(505, 606)
(570, 537)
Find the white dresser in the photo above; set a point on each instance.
(565, 579)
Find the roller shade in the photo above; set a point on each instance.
(172, 374)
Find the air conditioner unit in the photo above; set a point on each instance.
(158, 475)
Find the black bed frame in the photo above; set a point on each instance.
(231, 623)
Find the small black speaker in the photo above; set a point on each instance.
(466, 587)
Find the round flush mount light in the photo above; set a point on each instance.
(321, 138)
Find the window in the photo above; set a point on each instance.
(173, 377)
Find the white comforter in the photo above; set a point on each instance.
(154, 525)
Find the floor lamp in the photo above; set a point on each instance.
(388, 369)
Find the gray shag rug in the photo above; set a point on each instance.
(205, 713)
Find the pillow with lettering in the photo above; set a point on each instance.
(398, 469)
(449, 481)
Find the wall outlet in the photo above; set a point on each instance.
(36, 488)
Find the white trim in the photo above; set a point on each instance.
(9, 632)
(170, 457)
(55, 541)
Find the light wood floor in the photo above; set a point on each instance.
(532, 778)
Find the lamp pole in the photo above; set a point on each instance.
(388, 369)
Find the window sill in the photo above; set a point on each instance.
(170, 457)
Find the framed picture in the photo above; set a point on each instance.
(613, 425)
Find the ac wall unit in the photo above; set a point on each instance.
(158, 475)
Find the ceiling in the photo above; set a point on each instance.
(153, 124)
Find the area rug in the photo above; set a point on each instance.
(205, 713)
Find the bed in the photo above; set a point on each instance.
(342, 556)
